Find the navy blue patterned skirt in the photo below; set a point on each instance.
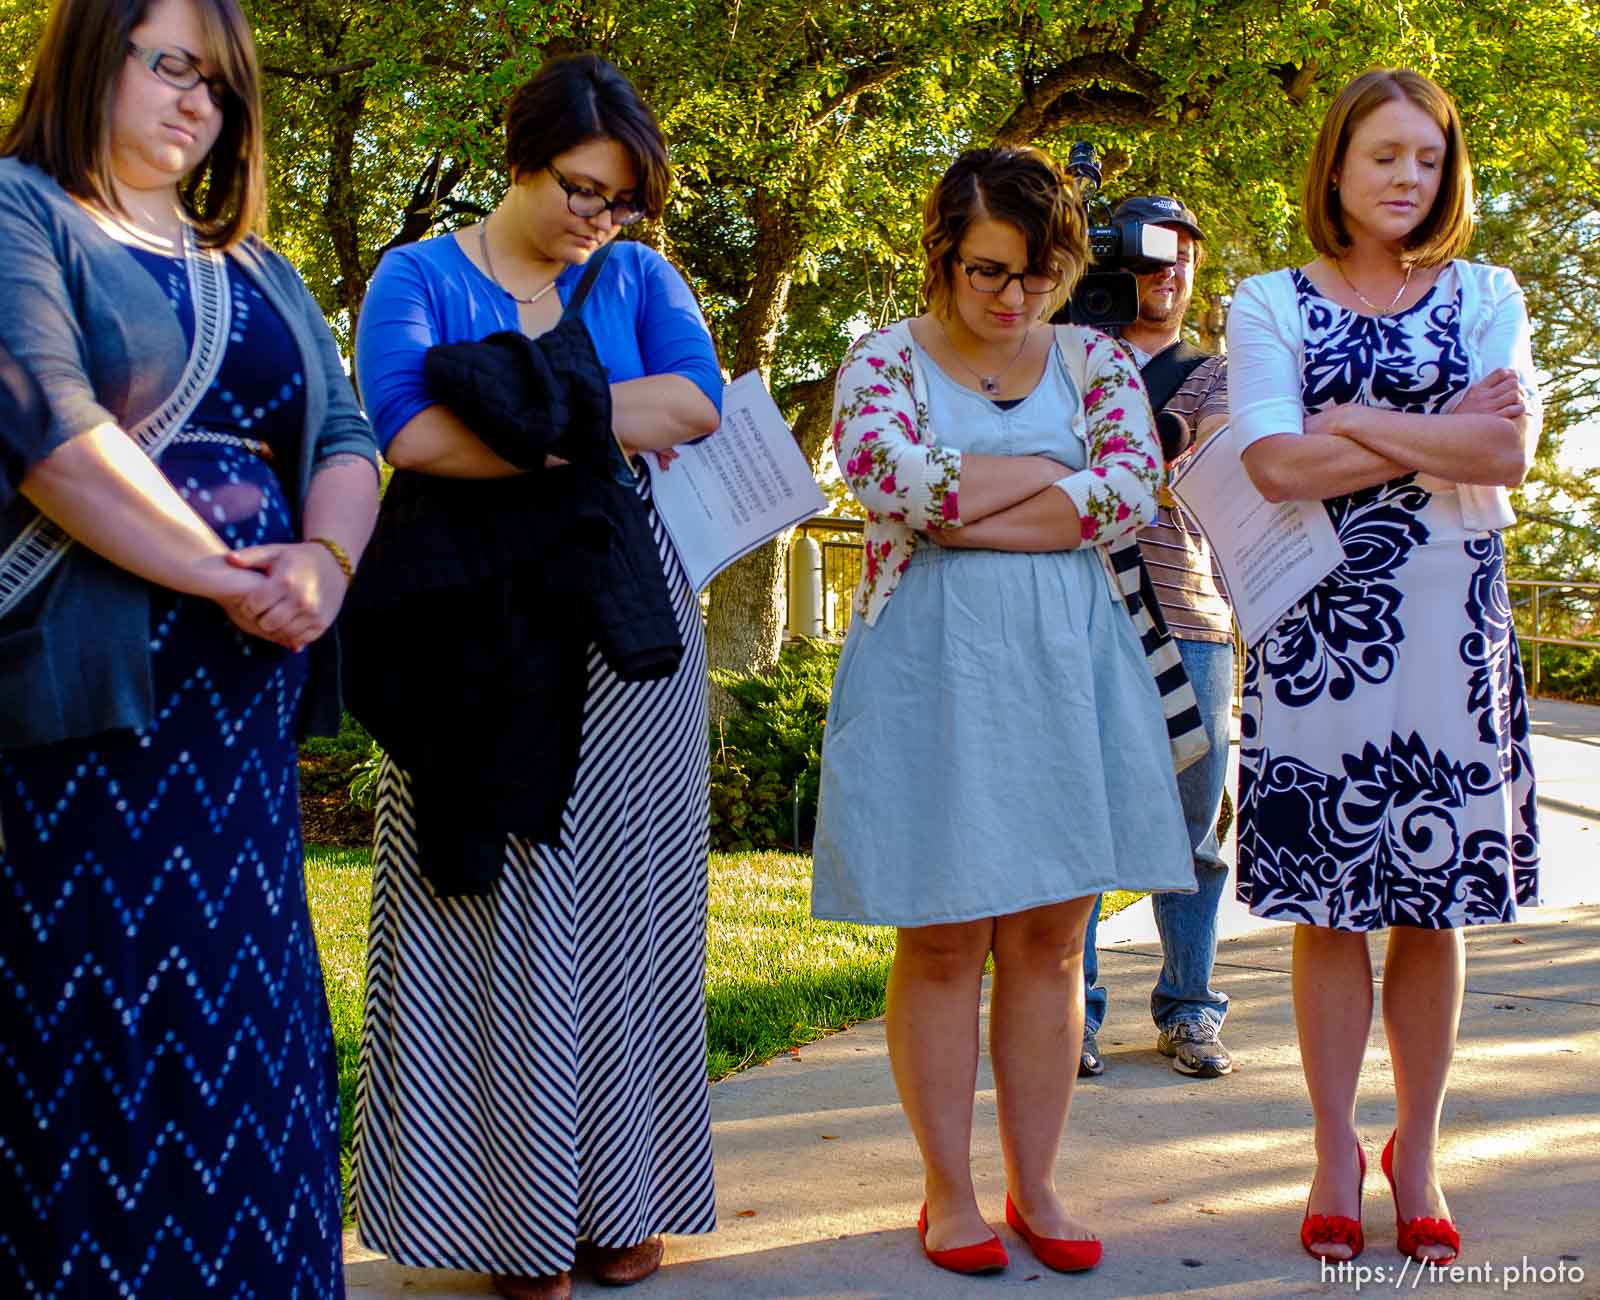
(168, 1101)
(1385, 760)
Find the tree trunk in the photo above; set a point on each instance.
(743, 631)
(341, 208)
(1211, 324)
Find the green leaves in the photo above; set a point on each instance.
(805, 136)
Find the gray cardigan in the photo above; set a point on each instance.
(96, 332)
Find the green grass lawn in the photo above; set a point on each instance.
(775, 978)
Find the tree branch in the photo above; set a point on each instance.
(1119, 107)
(882, 68)
(360, 65)
(1141, 29)
(1297, 81)
(427, 201)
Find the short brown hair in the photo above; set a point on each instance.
(581, 97)
(1447, 229)
(1019, 185)
(64, 128)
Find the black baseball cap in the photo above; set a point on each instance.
(1158, 210)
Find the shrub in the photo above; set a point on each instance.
(1565, 672)
(338, 783)
(770, 750)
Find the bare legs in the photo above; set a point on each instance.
(1036, 1024)
(1424, 976)
(932, 1025)
(1035, 1036)
(1332, 983)
(1423, 980)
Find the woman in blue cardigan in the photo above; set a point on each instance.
(533, 1057)
(197, 485)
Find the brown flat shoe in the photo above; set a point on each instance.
(625, 1265)
(558, 1286)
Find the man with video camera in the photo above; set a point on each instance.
(1192, 385)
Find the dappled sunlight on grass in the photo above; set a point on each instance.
(338, 889)
(776, 978)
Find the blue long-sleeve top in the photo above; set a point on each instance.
(641, 315)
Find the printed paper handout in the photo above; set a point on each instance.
(1271, 554)
(727, 494)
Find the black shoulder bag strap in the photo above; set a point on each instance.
(1165, 372)
(591, 273)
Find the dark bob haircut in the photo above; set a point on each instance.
(1019, 185)
(581, 97)
(64, 128)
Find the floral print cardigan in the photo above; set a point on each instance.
(894, 467)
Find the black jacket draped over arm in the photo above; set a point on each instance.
(470, 621)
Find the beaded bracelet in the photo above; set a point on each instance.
(339, 556)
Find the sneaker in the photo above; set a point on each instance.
(1195, 1049)
(1091, 1065)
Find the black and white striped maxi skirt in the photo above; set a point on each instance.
(533, 1065)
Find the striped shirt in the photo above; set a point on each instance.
(1189, 585)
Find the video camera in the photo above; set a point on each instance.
(1109, 295)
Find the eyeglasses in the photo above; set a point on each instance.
(584, 202)
(991, 279)
(179, 72)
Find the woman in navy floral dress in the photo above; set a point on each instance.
(1385, 778)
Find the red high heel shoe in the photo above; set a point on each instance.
(1064, 1254)
(980, 1257)
(1413, 1234)
(1336, 1229)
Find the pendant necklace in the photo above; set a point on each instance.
(990, 384)
(483, 251)
(1393, 302)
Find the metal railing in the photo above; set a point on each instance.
(1536, 606)
(839, 540)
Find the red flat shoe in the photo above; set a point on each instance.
(1413, 1234)
(1336, 1229)
(1064, 1254)
(981, 1257)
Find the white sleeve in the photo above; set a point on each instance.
(1506, 341)
(1263, 367)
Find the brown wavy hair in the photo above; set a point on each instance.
(1016, 184)
(1447, 229)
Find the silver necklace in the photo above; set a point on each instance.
(1393, 302)
(990, 384)
(488, 264)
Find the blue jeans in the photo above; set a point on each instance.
(1187, 923)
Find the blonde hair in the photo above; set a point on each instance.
(1447, 229)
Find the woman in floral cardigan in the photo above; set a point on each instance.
(996, 752)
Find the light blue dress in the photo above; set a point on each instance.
(995, 740)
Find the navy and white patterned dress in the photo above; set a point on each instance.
(169, 1113)
(1385, 776)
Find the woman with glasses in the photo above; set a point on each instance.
(996, 751)
(533, 1065)
(181, 541)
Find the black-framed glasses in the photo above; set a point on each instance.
(178, 71)
(584, 202)
(996, 279)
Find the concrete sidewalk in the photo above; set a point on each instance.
(1196, 1187)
